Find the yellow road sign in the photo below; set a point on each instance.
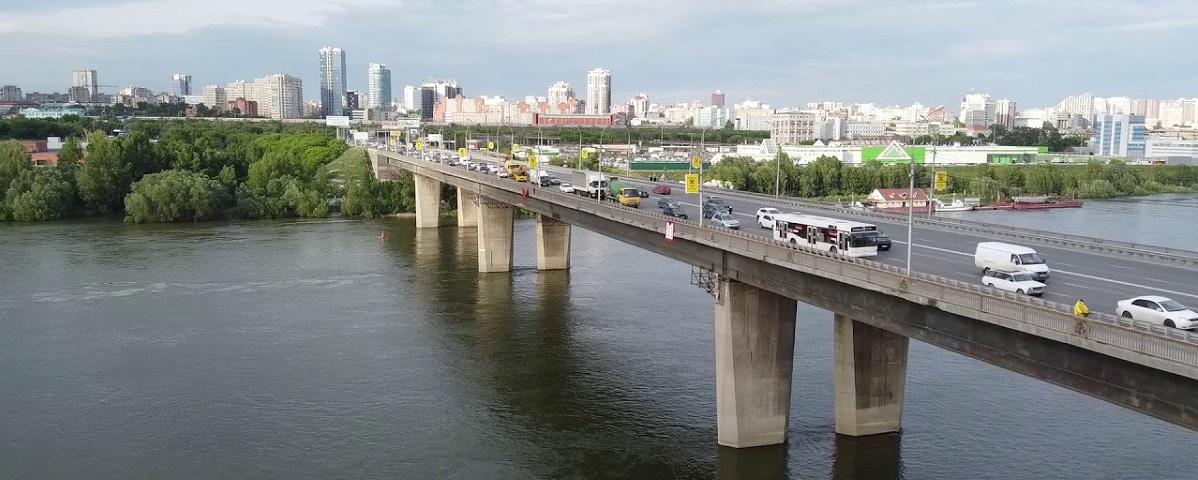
(462, 153)
(490, 145)
(419, 146)
(692, 183)
(392, 142)
(515, 148)
(696, 162)
(941, 180)
(532, 161)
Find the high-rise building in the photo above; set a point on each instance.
(977, 112)
(598, 92)
(11, 93)
(717, 98)
(1119, 136)
(1077, 105)
(411, 97)
(353, 100)
(791, 128)
(332, 82)
(640, 105)
(444, 89)
(428, 101)
(1146, 107)
(181, 84)
(559, 93)
(1119, 105)
(378, 86)
(87, 79)
(279, 96)
(216, 98)
(1004, 113)
(79, 95)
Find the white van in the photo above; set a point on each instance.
(1007, 257)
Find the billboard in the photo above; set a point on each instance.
(870, 154)
(361, 136)
(336, 121)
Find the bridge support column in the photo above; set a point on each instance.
(553, 244)
(467, 208)
(871, 374)
(754, 355)
(428, 202)
(494, 235)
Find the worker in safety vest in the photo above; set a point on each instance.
(1080, 309)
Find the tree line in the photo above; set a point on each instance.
(198, 170)
(828, 177)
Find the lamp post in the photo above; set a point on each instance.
(910, 213)
(702, 137)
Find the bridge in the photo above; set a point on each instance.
(756, 283)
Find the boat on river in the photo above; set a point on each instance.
(957, 205)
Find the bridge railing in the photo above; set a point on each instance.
(1021, 312)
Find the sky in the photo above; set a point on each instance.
(783, 52)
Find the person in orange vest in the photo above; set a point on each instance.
(1080, 309)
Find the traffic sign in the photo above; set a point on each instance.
(462, 153)
(669, 230)
(696, 162)
(490, 145)
(515, 148)
(419, 146)
(532, 161)
(692, 183)
(894, 153)
(941, 180)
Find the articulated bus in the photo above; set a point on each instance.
(854, 239)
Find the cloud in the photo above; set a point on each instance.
(153, 17)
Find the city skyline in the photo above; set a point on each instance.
(1034, 59)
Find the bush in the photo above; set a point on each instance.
(174, 195)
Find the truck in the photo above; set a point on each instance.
(624, 193)
(596, 186)
(517, 171)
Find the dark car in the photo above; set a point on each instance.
(882, 241)
(547, 180)
(714, 205)
(674, 211)
(643, 193)
(662, 190)
(667, 203)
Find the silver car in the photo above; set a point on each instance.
(725, 220)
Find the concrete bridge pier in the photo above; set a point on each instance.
(428, 202)
(467, 208)
(754, 356)
(553, 244)
(494, 235)
(870, 377)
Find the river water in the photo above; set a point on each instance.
(318, 350)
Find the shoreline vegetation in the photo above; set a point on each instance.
(197, 170)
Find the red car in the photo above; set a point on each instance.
(661, 190)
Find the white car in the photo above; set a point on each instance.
(1158, 310)
(503, 174)
(725, 220)
(1013, 281)
(566, 187)
(765, 216)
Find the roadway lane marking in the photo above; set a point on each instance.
(1129, 284)
(945, 250)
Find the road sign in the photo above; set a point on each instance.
(692, 183)
(419, 146)
(490, 145)
(515, 148)
(696, 162)
(462, 154)
(392, 142)
(669, 230)
(941, 180)
(894, 153)
(532, 161)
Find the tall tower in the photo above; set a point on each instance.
(378, 86)
(598, 92)
(332, 81)
(181, 84)
(717, 99)
(86, 79)
(559, 93)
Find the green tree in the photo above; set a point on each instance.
(38, 195)
(174, 195)
(105, 177)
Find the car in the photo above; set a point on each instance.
(667, 203)
(1013, 281)
(566, 187)
(503, 174)
(544, 180)
(643, 193)
(554, 180)
(661, 190)
(1005, 256)
(714, 205)
(765, 216)
(674, 211)
(1158, 310)
(882, 241)
(725, 220)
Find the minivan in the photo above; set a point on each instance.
(1008, 257)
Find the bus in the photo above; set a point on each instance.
(854, 239)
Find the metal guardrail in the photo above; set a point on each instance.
(1176, 348)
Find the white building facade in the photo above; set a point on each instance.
(598, 92)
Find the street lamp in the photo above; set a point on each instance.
(910, 212)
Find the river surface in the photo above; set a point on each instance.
(318, 350)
